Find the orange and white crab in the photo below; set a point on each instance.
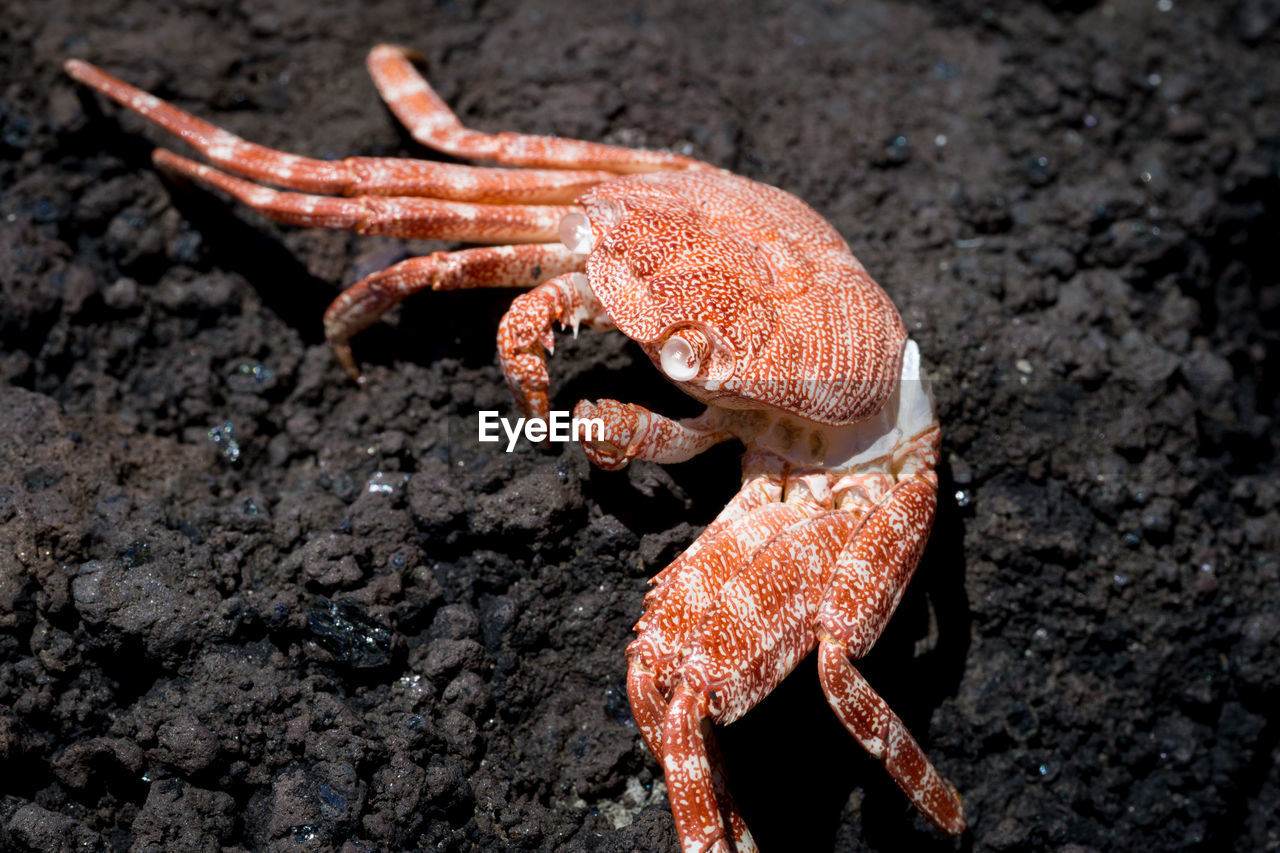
(743, 297)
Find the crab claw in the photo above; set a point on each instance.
(624, 428)
(524, 339)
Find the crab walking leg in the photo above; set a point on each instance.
(650, 703)
(524, 335)
(352, 176)
(433, 124)
(664, 629)
(361, 304)
(883, 734)
(406, 217)
(760, 628)
(647, 703)
(691, 783)
(743, 841)
(632, 431)
(673, 610)
(762, 484)
(869, 581)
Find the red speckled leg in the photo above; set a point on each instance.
(872, 722)
(762, 484)
(691, 785)
(354, 176)
(760, 627)
(650, 707)
(420, 218)
(491, 266)
(870, 578)
(433, 124)
(632, 431)
(674, 609)
(743, 842)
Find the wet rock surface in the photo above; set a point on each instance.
(244, 605)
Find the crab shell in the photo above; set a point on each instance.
(781, 312)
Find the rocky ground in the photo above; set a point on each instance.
(244, 605)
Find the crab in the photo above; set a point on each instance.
(743, 297)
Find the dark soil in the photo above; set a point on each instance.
(244, 605)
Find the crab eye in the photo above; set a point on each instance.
(679, 359)
(575, 233)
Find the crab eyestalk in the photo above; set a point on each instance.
(575, 233)
(683, 354)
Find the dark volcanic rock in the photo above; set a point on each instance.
(247, 605)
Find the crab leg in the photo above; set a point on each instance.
(691, 583)
(650, 708)
(883, 734)
(406, 217)
(353, 176)
(433, 124)
(762, 484)
(869, 581)
(760, 628)
(671, 613)
(683, 591)
(357, 307)
(705, 814)
(674, 609)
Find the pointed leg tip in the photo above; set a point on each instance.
(342, 354)
(956, 824)
(173, 164)
(395, 51)
(177, 168)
